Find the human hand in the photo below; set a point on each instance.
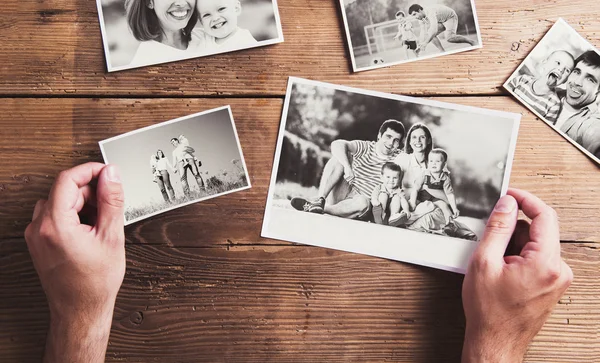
(348, 174)
(507, 299)
(81, 267)
(456, 213)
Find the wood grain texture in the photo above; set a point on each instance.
(55, 48)
(289, 304)
(55, 134)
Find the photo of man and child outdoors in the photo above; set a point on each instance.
(397, 163)
(193, 158)
(560, 82)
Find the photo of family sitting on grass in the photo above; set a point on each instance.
(208, 164)
(559, 81)
(389, 160)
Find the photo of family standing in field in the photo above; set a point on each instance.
(387, 32)
(396, 162)
(139, 33)
(559, 81)
(175, 163)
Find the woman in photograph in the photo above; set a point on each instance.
(161, 169)
(165, 29)
(413, 163)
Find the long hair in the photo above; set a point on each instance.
(428, 147)
(161, 153)
(144, 23)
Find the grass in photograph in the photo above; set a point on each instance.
(214, 186)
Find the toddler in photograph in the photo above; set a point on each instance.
(389, 194)
(188, 149)
(219, 19)
(435, 186)
(406, 34)
(540, 92)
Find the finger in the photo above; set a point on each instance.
(39, 206)
(110, 199)
(499, 229)
(519, 239)
(544, 231)
(87, 195)
(65, 191)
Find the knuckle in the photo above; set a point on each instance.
(553, 273)
(114, 197)
(498, 226)
(45, 230)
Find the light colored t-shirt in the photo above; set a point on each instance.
(163, 164)
(153, 52)
(242, 38)
(439, 14)
(180, 153)
(412, 169)
(406, 31)
(366, 165)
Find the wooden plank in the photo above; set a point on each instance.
(54, 134)
(300, 304)
(54, 47)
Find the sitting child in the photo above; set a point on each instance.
(540, 92)
(435, 185)
(389, 194)
(406, 34)
(219, 19)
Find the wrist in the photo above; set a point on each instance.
(481, 347)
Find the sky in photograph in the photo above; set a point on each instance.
(211, 135)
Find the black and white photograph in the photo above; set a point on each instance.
(138, 33)
(178, 162)
(559, 82)
(391, 176)
(382, 33)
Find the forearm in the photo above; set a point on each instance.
(339, 150)
(78, 339)
(404, 204)
(452, 202)
(479, 348)
(413, 198)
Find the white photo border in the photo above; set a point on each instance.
(368, 68)
(445, 253)
(559, 22)
(110, 68)
(183, 118)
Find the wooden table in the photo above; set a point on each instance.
(201, 285)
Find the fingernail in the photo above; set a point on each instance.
(113, 174)
(506, 204)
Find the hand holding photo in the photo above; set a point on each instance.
(559, 81)
(384, 33)
(192, 159)
(139, 33)
(385, 175)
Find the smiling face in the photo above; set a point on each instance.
(583, 85)
(556, 68)
(174, 142)
(388, 142)
(418, 140)
(173, 15)
(390, 178)
(219, 18)
(436, 162)
(419, 15)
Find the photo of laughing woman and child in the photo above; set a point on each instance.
(396, 163)
(138, 33)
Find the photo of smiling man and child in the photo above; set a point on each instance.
(192, 158)
(139, 33)
(387, 32)
(559, 82)
(391, 176)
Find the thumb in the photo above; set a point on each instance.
(110, 200)
(499, 229)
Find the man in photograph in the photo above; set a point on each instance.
(352, 173)
(579, 117)
(183, 160)
(438, 19)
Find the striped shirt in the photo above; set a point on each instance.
(547, 106)
(366, 165)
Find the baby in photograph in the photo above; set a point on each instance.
(406, 34)
(435, 185)
(219, 19)
(540, 92)
(390, 194)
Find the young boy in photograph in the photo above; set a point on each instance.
(219, 19)
(540, 92)
(406, 34)
(390, 194)
(435, 186)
